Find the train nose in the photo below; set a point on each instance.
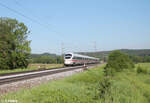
(68, 62)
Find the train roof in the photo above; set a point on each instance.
(84, 56)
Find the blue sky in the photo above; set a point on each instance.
(78, 24)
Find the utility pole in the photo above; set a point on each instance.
(62, 50)
(94, 46)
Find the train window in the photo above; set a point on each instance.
(67, 57)
(78, 58)
(74, 57)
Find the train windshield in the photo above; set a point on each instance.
(67, 57)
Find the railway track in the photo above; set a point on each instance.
(5, 79)
(29, 71)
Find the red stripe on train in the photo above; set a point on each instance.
(76, 60)
(82, 60)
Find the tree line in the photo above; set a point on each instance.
(137, 55)
(139, 59)
(134, 58)
(47, 59)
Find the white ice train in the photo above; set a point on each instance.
(71, 59)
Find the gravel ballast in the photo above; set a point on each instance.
(29, 83)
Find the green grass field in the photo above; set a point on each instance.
(32, 67)
(126, 87)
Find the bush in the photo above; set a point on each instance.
(119, 61)
(141, 70)
(109, 71)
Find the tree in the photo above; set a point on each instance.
(14, 46)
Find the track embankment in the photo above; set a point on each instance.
(18, 82)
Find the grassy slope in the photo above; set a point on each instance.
(127, 87)
(131, 87)
(32, 67)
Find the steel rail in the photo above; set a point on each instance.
(28, 71)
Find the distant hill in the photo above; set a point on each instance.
(102, 54)
(137, 55)
(43, 54)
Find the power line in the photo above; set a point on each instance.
(39, 23)
(21, 14)
(17, 3)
